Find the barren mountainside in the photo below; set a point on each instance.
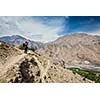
(74, 49)
(17, 67)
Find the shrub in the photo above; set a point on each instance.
(33, 49)
(89, 74)
(21, 47)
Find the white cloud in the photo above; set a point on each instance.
(96, 32)
(31, 28)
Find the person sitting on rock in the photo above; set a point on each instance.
(25, 46)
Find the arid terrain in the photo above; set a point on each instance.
(75, 49)
(50, 64)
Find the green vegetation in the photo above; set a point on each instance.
(89, 74)
(21, 47)
(32, 49)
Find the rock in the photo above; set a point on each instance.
(86, 62)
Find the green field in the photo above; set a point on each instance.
(89, 74)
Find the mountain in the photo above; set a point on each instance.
(17, 40)
(51, 64)
(18, 67)
(75, 50)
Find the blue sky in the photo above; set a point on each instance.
(48, 28)
(90, 24)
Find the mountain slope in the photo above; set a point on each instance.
(17, 67)
(74, 49)
(17, 40)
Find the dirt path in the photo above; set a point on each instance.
(14, 60)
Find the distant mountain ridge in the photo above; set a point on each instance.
(74, 49)
(17, 40)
